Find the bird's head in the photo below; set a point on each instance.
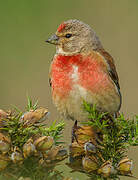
(73, 37)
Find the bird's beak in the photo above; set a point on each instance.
(53, 39)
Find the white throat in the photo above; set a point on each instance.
(59, 50)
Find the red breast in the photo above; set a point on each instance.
(90, 71)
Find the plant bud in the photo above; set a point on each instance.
(106, 169)
(125, 166)
(3, 117)
(34, 116)
(89, 148)
(28, 148)
(84, 134)
(4, 147)
(44, 143)
(5, 143)
(56, 153)
(17, 156)
(76, 149)
(62, 154)
(89, 163)
(3, 114)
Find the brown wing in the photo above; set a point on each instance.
(111, 70)
(111, 66)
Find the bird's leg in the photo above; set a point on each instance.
(115, 115)
(74, 136)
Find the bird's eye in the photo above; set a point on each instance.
(68, 35)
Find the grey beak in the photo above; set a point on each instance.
(53, 39)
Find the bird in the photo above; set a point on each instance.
(82, 70)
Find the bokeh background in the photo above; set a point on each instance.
(25, 57)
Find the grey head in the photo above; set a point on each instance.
(73, 37)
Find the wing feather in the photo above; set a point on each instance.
(111, 66)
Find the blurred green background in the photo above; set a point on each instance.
(25, 57)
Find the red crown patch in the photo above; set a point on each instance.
(61, 27)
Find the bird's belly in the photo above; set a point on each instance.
(72, 105)
(75, 104)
